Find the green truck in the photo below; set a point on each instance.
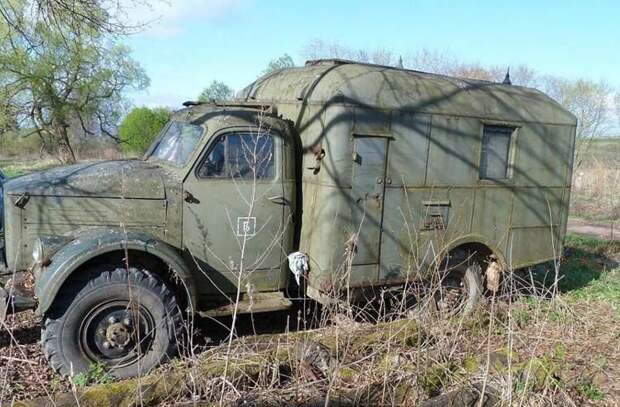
(337, 176)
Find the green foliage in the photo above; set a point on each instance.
(141, 127)
(216, 91)
(96, 374)
(285, 61)
(591, 391)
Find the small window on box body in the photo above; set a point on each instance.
(495, 155)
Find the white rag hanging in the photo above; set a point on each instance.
(298, 263)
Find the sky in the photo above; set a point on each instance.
(189, 43)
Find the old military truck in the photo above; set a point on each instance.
(372, 174)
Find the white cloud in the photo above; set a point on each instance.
(167, 18)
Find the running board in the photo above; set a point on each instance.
(260, 302)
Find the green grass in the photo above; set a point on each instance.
(590, 391)
(591, 270)
(97, 374)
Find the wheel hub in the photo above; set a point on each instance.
(118, 335)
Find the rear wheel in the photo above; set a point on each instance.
(460, 289)
(127, 320)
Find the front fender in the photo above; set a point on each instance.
(96, 243)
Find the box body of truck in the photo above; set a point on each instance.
(400, 167)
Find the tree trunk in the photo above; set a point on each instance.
(62, 148)
(65, 152)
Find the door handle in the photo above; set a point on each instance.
(189, 198)
(279, 200)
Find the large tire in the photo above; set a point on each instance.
(127, 320)
(466, 281)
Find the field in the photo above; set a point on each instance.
(596, 183)
(551, 338)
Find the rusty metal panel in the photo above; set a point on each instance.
(408, 247)
(528, 246)
(454, 152)
(331, 228)
(537, 206)
(544, 156)
(77, 212)
(402, 241)
(492, 213)
(371, 121)
(361, 275)
(336, 147)
(409, 149)
(460, 203)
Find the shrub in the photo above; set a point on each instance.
(140, 127)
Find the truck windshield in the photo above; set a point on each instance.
(177, 143)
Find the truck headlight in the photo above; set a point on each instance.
(37, 252)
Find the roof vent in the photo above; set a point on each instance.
(507, 80)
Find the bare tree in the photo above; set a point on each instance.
(443, 62)
(284, 61)
(591, 102)
(434, 61)
(105, 16)
(318, 49)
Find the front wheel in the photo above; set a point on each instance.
(127, 320)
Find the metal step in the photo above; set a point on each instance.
(257, 303)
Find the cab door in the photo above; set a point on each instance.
(237, 211)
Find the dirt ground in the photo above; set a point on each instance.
(607, 231)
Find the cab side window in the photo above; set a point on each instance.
(241, 156)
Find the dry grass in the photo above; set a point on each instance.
(526, 347)
(596, 191)
(596, 182)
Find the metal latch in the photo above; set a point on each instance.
(22, 200)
